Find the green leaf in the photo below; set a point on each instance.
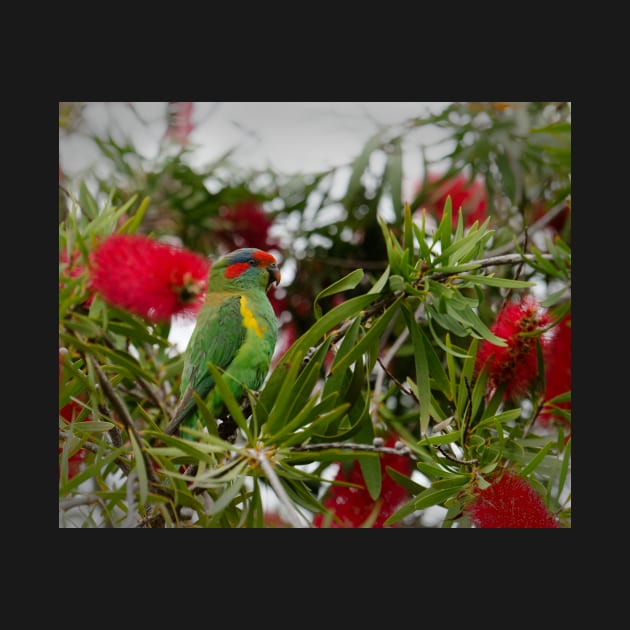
(408, 232)
(470, 318)
(436, 369)
(347, 283)
(320, 422)
(445, 321)
(396, 283)
(403, 481)
(121, 361)
(107, 222)
(466, 247)
(422, 367)
(445, 438)
(466, 377)
(452, 481)
(432, 471)
(444, 232)
(369, 463)
(393, 177)
(88, 204)
(407, 509)
(133, 330)
(133, 223)
(478, 392)
(207, 416)
(433, 496)
(92, 426)
(84, 326)
(394, 250)
(502, 418)
(143, 481)
(317, 427)
(492, 281)
(371, 339)
(334, 382)
(294, 395)
(233, 489)
(233, 406)
(420, 234)
(381, 283)
(566, 459)
(537, 459)
(448, 347)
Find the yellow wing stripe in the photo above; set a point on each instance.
(249, 321)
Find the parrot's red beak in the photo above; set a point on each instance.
(274, 274)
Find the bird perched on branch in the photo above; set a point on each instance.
(236, 330)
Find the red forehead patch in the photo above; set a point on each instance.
(264, 257)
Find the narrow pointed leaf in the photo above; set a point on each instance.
(233, 406)
(347, 283)
(140, 468)
(371, 338)
(422, 368)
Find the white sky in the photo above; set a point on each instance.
(291, 137)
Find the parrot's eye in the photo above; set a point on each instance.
(253, 262)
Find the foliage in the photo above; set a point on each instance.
(382, 324)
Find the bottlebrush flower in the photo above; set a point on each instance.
(471, 196)
(179, 121)
(149, 278)
(354, 505)
(516, 364)
(509, 502)
(244, 224)
(557, 370)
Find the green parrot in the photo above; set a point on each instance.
(236, 330)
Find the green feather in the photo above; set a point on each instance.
(236, 330)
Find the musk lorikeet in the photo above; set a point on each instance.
(236, 330)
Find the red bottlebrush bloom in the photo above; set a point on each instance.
(516, 364)
(510, 502)
(149, 278)
(245, 224)
(557, 370)
(179, 121)
(471, 196)
(354, 505)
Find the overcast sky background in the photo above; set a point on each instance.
(291, 137)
